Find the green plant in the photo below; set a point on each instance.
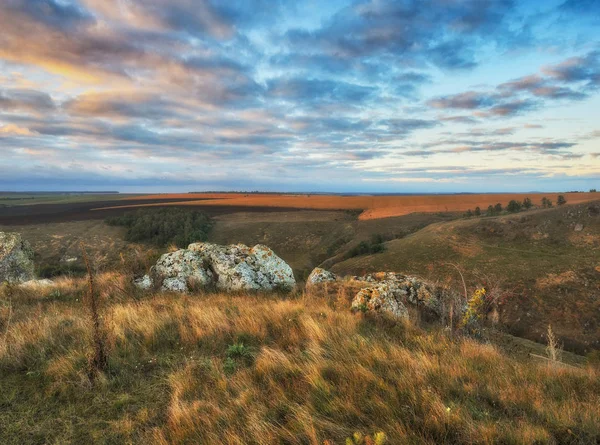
(164, 226)
(527, 204)
(477, 211)
(561, 200)
(513, 206)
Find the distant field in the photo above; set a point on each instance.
(372, 207)
(21, 199)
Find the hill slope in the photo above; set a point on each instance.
(545, 262)
(252, 369)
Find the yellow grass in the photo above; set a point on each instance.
(269, 369)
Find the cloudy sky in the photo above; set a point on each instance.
(308, 95)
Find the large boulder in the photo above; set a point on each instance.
(319, 276)
(385, 297)
(16, 258)
(181, 270)
(228, 268)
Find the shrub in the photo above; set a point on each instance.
(477, 211)
(468, 213)
(491, 211)
(474, 313)
(527, 204)
(165, 226)
(561, 200)
(498, 208)
(546, 203)
(375, 245)
(513, 206)
(592, 190)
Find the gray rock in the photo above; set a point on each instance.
(181, 269)
(228, 268)
(319, 276)
(143, 283)
(38, 283)
(578, 227)
(383, 297)
(16, 258)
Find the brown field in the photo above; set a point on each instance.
(372, 207)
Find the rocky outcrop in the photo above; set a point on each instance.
(182, 270)
(16, 259)
(228, 268)
(384, 297)
(319, 276)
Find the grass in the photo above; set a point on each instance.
(546, 271)
(261, 369)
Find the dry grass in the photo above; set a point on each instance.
(262, 369)
(373, 207)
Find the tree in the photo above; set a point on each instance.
(546, 203)
(513, 206)
(561, 200)
(527, 204)
(490, 210)
(592, 190)
(468, 213)
(477, 211)
(498, 208)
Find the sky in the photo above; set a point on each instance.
(370, 96)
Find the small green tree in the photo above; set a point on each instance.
(561, 200)
(477, 211)
(513, 206)
(546, 203)
(592, 190)
(490, 210)
(468, 213)
(498, 208)
(527, 204)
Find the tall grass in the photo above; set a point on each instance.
(266, 369)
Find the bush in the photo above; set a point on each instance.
(513, 206)
(477, 211)
(527, 204)
(498, 208)
(375, 245)
(561, 200)
(546, 203)
(165, 226)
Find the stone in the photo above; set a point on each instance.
(392, 292)
(182, 269)
(229, 268)
(381, 298)
(239, 267)
(16, 258)
(578, 227)
(320, 276)
(143, 283)
(38, 283)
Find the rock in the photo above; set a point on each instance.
(391, 292)
(143, 283)
(381, 298)
(239, 267)
(228, 268)
(38, 283)
(578, 227)
(319, 276)
(182, 269)
(16, 258)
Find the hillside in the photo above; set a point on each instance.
(267, 369)
(544, 265)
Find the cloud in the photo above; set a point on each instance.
(18, 100)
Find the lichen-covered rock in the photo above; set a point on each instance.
(391, 289)
(383, 297)
(239, 267)
(229, 268)
(319, 276)
(16, 259)
(143, 283)
(181, 270)
(38, 283)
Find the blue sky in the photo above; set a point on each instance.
(341, 96)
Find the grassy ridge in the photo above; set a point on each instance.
(262, 369)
